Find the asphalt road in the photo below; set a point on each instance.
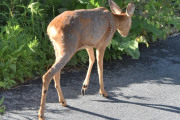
(144, 89)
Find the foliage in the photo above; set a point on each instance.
(25, 49)
(17, 47)
(151, 21)
(2, 108)
(93, 3)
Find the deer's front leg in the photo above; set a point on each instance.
(100, 56)
(91, 62)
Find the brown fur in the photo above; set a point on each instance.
(83, 29)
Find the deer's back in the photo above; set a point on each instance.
(83, 27)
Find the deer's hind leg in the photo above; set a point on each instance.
(54, 71)
(91, 62)
(57, 80)
(58, 88)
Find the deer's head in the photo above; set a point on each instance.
(122, 20)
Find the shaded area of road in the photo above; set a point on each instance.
(148, 88)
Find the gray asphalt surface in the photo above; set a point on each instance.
(144, 89)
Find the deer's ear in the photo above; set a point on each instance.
(130, 9)
(114, 7)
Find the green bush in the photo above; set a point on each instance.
(152, 21)
(25, 49)
(17, 48)
(2, 108)
(23, 42)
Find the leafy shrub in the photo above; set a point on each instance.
(2, 107)
(17, 47)
(23, 48)
(152, 21)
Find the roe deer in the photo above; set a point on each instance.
(83, 29)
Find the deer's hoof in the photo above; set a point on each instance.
(104, 94)
(85, 86)
(83, 91)
(41, 117)
(63, 103)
